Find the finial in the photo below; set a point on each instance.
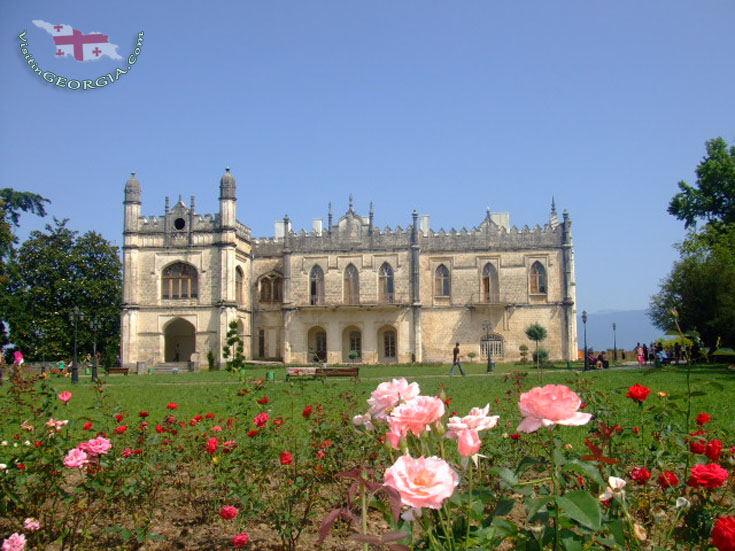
(167, 200)
(133, 174)
(330, 207)
(487, 211)
(565, 214)
(193, 199)
(415, 214)
(371, 207)
(553, 204)
(227, 169)
(180, 198)
(350, 201)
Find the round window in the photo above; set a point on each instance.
(179, 223)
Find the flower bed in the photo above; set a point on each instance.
(402, 471)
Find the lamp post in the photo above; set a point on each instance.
(615, 344)
(486, 326)
(584, 323)
(95, 325)
(75, 316)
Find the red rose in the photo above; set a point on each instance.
(307, 412)
(121, 429)
(21, 466)
(172, 405)
(447, 401)
(638, 393)
(37, 444)
(261, 419)
(714, 449)
(641, 475)
(286, 458)
(583, 405)
(515, 436)
(88, 425)
(264, 400)
(278, 420)
(160, 429)
(143, 414)
(636, 430)
(228, 512)
(210, 416)
(229, 421)
(723, 534)
(703, 418)
(212, 445)
(697, 445)
(193, 422)
(119, 417)
(253, 433)
(240, 540)
(708, 476)
(667, 479)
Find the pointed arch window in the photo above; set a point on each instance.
(441, 281)
(490, 291)
(239, 289)
(316, 286)
(538, 279)
(271, 289)
(386, 292)
(179, 281)
(351, 285)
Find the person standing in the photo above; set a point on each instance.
(645, 353)
(639, 355)
(456, 361)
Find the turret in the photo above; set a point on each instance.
(227, 199)
(132, 203)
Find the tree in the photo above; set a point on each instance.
(701, 285)
(713, 198)
(536, 333)
(52, 272)
(233, 350)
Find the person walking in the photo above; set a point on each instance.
(639, 355)
(456, 361)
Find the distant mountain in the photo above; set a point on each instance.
(632, 326)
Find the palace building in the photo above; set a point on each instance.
(343, 292)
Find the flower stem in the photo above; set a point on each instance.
(469, 506)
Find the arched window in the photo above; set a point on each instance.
(351, 286)
(389, 344)
(385, 284)
(271, 289)
(239, 289)
(441, 281)
(179, 281)
(538, 279)
(316, 286)
(490, 291)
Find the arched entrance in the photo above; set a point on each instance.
(317, 345)
(351, 342)
(179, 341)
(387, 345)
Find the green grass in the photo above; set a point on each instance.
(214, 392)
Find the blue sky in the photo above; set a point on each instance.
(445, 108)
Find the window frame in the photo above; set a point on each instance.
(186, 280)
(442, 282)
(386, 284)
(539, 284)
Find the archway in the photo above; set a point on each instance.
(387, 345)
(351, 342)
(317, 345)
(179, 341)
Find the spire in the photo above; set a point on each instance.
(553, 217)
(371, 219)
(329, 220)
(193, 200)
(351, 201)
(132, 189)
(166, 205)
(227, 185)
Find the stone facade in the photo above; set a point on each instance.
(341, 293)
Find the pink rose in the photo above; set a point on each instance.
(363, 420)
(550, 405)
(75, 459)
(96, 446)
(388, 395)
(31, 524)
(469, 442)
(65, 396)
(477, 420)
(216, 428)
(416, 415)
(15, 542)
(422, 482)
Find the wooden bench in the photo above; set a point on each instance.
(123, 370)
(322, 372)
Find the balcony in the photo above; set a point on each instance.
(389, 302)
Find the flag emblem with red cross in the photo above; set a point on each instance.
(71, 42)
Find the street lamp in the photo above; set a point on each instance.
(75, 316)
(615, 344)
(584, 323)
(486, 326)
(95, 325)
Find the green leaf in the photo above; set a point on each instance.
(584, 468)
(533, 506)
(571, 541)
(505, 474)
(581, 507)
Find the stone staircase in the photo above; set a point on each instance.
(168, 367)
